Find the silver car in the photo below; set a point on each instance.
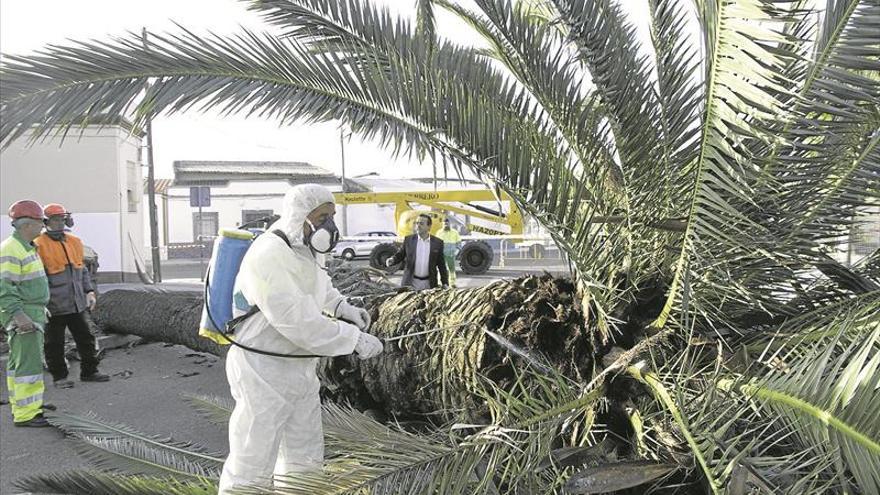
(361, 248)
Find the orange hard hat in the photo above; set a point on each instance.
(26, 209)
(53, 209)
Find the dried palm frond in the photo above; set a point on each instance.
(121, 447)
(99, 483)
(214, 409)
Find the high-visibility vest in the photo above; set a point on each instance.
(450, 239)
(56, 255)
(23, 282)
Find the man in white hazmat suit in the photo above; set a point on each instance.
(276, 424)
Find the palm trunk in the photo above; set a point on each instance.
(160, 316)
(414, 376)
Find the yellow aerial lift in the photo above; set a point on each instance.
(476, 255)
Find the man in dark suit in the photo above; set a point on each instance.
(422, 255)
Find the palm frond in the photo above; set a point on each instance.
(663, 395)
(97, 483)
(831, 391)
(537, 56)
(425, 23)
(214, 409)
(869, 267)
(828, 164)
(333, 24)
(122, 454)
(729, 443)
(678, 89)
(740, 93)
(120, 446)
(601, 33)
(805, 329)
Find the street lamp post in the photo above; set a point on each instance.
(344, 189)
(151, 195)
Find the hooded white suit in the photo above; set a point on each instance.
(276, 423)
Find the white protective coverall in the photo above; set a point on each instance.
(276, 424)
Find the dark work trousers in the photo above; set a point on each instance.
(85, 344)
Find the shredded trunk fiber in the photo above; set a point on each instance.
(434, 373)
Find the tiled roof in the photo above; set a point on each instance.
(255, 168)
(221, 172)
(162, 185)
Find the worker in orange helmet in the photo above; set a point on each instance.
(24, 293)
(72, 293)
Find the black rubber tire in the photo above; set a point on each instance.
(476, 257)
(348, 254)
(536, 251)
(381, 253)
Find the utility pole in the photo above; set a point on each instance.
(151, 193)
(344, 189)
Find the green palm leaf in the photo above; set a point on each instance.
(96, 483)
(215, 409)
(739, 95)
(729, 443)
(130, 455)
(831, 392)
(120, 446)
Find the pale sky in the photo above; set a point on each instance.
(26, 25)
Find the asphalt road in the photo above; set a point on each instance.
(144, 392)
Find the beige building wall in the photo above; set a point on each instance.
(97, 176)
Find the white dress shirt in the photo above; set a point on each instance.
(423, 254)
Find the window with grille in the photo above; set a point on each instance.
(248, 216)
(205, 227)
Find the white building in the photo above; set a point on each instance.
(97, 176)
(239, 193)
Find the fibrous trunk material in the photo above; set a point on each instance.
(156, 315)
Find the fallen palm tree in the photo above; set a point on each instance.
(471, 334)
(700, 184)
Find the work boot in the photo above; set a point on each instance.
(38, 421)
(63, 383)
(94, 377)
(49, 406)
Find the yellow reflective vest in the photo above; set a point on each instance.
(23, 283)
(451, 239)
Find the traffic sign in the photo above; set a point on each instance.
(199, 196)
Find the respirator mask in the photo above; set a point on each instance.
(59, 234)
(323, 238)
